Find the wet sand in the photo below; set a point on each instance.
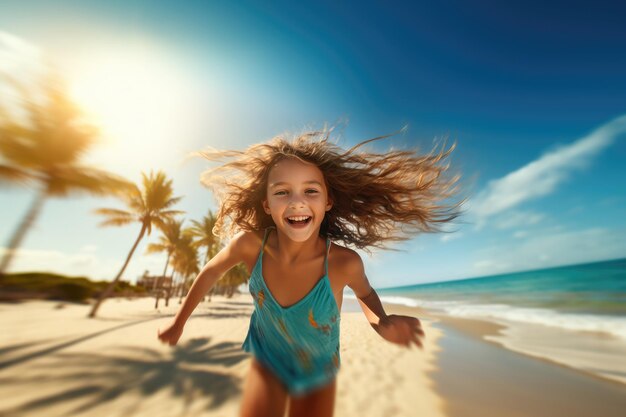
(477, 376)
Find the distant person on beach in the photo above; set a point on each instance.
(289, 203)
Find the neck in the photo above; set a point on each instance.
(289, 252)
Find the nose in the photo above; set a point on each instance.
(296, 201)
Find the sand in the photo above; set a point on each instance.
(54, 361)
(479, 378)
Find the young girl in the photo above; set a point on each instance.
(293, 201)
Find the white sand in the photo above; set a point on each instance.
(57, 362)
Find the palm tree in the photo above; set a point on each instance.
(203, 232)
(148, 206)
(232, 280)
(46, 152)
(168, 241)
(185, 262)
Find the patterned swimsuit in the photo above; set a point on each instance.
(299, 343)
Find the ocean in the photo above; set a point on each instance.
(582, 297)
(571, 315)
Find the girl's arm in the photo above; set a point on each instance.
(234, 253)
(368, 299)
(403, 330)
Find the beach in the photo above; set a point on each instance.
(54, 361)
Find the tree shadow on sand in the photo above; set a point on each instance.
(142, 318)
(193, 371)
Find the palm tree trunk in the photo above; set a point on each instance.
(157, 294)
(21, 230)
(183, 290)
(169, 254)
(109, 289)
(169, 291)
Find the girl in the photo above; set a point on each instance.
(292, 201)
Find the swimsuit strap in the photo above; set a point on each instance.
(326, 256)
(265, 238)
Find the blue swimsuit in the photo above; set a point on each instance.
(299, 343)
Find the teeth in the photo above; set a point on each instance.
(298, 218)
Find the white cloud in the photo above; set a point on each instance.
(447, 237)
(510, 220)
(84, 263)
(489, 266)
(546, 249)
(543, 175)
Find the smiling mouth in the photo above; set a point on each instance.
(296, 220)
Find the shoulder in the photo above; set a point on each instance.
(246, 239)
(349, 265)
(245, 247)
(346, 262)
(247, 242)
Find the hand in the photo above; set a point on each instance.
(170, 334)
(402, 330)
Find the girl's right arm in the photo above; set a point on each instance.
(235, 252)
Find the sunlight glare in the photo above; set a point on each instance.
(139, 104)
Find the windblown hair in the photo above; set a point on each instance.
(377, 197)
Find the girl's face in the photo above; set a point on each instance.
(297, 198)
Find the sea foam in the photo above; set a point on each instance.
(613, 325)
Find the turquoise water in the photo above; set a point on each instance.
(594, 288)
(584, 297)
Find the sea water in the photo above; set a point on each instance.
(573, 315)
(586, 297)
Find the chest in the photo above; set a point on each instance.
(291, 284)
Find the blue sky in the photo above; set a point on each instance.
(533, 93)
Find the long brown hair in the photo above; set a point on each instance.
(377, 197)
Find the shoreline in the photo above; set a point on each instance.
(491, 332)
(480, 377)
(596, 354)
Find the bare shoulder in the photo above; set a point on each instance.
(245, 240)
(345, 261)
(247, 243)
(241, 248)
(348, 266)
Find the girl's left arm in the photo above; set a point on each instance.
(402, 330)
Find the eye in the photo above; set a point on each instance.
(311, 191)
(280, 193)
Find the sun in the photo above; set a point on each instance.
(138, 102)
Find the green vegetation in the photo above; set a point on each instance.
(47, 286)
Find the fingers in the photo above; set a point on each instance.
(413, 336)
(410, 330)
(417, 327)
(417, 334)
(417, 341)
(163, 338)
